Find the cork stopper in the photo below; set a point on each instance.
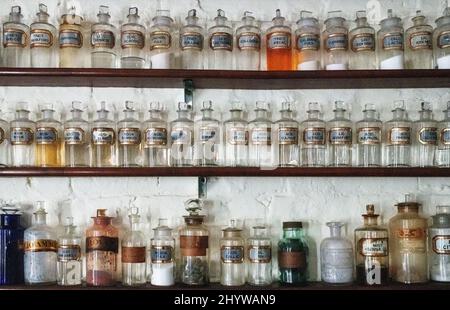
(101, 212)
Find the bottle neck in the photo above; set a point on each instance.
(134, 224)
(155, 114)
(293, 233)
(419, 21)
(361, 22)
(313, 114)
(133, 19)
(207, 113)
(129, 114)
(339, 113)
(47, 114)
(42, 18)
(183, 114)
(426, 115)
(399, 114)
(261, 113)
(370, 114)
(77, 114)
(236, 113)
(22, 114)
(335, 231)
(286, 114)
(370, 220)
(103, 18)
(102, 114)
(40, 219)
(102, 221)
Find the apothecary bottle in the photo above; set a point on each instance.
(443, 149)
(259, 257)
(313, 138)
(154, 135)
(279, 44)
(15, 40)
(102, 247)
(129, 138)
(236, 137)
(162, 255)
(425, 137)
(69, 265)
(43, 36)
(260, 136)
(335, 42)
(362, 44)
(248, 43)
(398, 132)
(439, 245)
(369, 138)
(194, 246)
(293, 255)
(182, 137)
(71, 41)
(161, 44)
(49, 139)
(76, 138)
(220, 40)
(372, 250)
(419, 44)
(103, 41)
(285, 137)
(340, 137)
(192, 42)
(336, 256)
(132, 41)
(207, 137)
(232, 256)
(441, 41)
(390, 43)
(22, 131)
(134, 251)
(41, 246)
(103, 139)
(5, 145)
(408, 244)
(307, 43)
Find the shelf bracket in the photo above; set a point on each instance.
(202, 187)
(189, 92)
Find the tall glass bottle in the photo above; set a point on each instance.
(426, 137)
(220, 43)
(369, 135)
(207, 138)
(103, 41)
(192, 42)
(340, 137)
(362, 44)
(398, 137)
(22, 131)
(154, 135)
(49, 139)
(43, 37)
(160, 40)
(71, 41)
(419, 44)
(443, 150)
(259, 257)
(390, 43)
(248, 43)
(15, 40)
(439, 245)
(129, 138)
(441, 41)
(232, 257)
(5, 145)
(132, 42)
(69, 265)
(335, 42)
(286, 137)
(76, 138)
(313, 141)
(260, 142)
(278, 44)
(162, 254)
(103, 135)
(236, 137)
(182, 137)
(307, 43)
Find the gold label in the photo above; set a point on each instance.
(2, 135)
(428, 136)
(69, 252)
(308, 42)
(363, 42)
(70, 38)
(46, 135)
(191, 41)
(314, 136)
(194, 245)
(393, 41)
(41, 245)
(369, 135)
(288, 135)
(14, 38)
(21, 136)
(279, 40)
(374, 247)
(132, 39)
(103, 39)
(232, 254)
(41, 38)
(134, 255)
(399, 136)
(101, 136)
(74, 136)
(445, 136)
(160, 40)
(221, 41)
(292, 260)
(155, 136)
(129, 136)
(340, 135)
(421, 40)
(441, 244)
(161, 254)
(237, 136)
(443, 40)
(336, 42)
(261, 136)
(248, 41)
(411, 240)
(108, 244)
(261, 254)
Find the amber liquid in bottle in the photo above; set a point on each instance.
(279, 49)
(48, 141)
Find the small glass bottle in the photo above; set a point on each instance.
(248, 43)
(390, 43)
(307, 43)
(69, 265)
(441, 41)
(426, 137)
(259, 256)
(362, 44)
(22, 131)
(260, 142)
(194, 246)
(335, 42)
(154, 135)
(41, 246)
(42, 40)
(398, 137)
(132, 42)
(443, 150)
(102, 247)
(134, 252)
(313, 141)
(182, 137)
(419, 44)
(160, 40)
(207, 138)
(76, 138)
(162, 254)
(129, 138)
(103, 41)
(236, 137)
(103, 136)
(232, 260)
(192, 42)
(71, 41)
(278, 44)
(372, 251)
(293, 255)
(369, 135)
(408, 244)
(286, 137)
(340, 137)
(49, 139)
(336, 257)
(220, 43)
(5, 145)
(439, 245)
(15, 40)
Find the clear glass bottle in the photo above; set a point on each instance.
(220, 39)
(41, 246)
(103, 136)
(372, 250)
(408, 244)
(43, 37)
(307, 43)
(132, 42)
(22, 131)
(102, 248)
(103, 41)
(426, 137)
(260, 137)
(340, 137)
(443, 150)
(335, 42)
(162, 254)
(15, 40)
(439, 245)
(369, 136)
(207, 138)
(248, 43)
(134, 252)
(398, 137)
(313, 142)
(441, 41)
(285, 137)
(129, 138)
(71, 41)
(162, 49)
(5, 145)
(76, 138)
(232, 257)
(49, 139)
(419, 44)
(69, 265)
(362, 44)
(182, 137)
(390, 43)
(336, 256)
(278, 44)
(154, 135)
(192, 42)
(236, 137)
(259, 257)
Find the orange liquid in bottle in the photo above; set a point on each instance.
(278, 58)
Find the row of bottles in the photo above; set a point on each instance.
(306, 48)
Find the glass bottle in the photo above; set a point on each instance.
(439, 245)
(408, 244)
(443, 150)
(220, 44)
(154, 134)
(103, 41)
(162, 254)
(194, 244)
(102, 247)
(372, 250)
(335, 42)
(129, 138)
(259, 256)
(41, 247)
(22, 131)
(191, 42)
(132, 42)
(134, 252)
(362, 44)
(160, 40)
(419, 44)
(336, 256)
(232, 257)
(207, 137)
(49, 139)
(279, 45)
(5, 146)
(76, 138)
(236, 137)
(441, 41)
(293, 255)
(103, 135)
(71, 41)
(313, 142)
(286, 137)
(15, 40)
(390, 43)
(42, 40)
(426, 136)
(340, 137)
(248, 42)
(398, 137)
(369, 131)
(260, 129)
(307, 43)
(69, 265)
(182, 137)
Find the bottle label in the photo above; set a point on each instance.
(363, 42)
(74, 136)
(41, 245)
(101, 136)
(14, 38)
(340, 135)
(260, 254)
(108, 244)
(279, 40)
(129, 136)
(421, 40)
(443, 40)
(399, 136)
(237, 136)
(292, 260)
(134, 255)
(191, 41)
(369, 135)
(314, 136)
(69, 252)
(337, 265)
(288, 135)
(428, 136)
(441, 244)
(308, 42)
(181, 136)
(445, 136)
(207, 134)
(41, 38)
(221, 41)
(132, 39)
(393, 41)
(336, 42)
(22, 136)
(2, 135)
(46, 135)
(232, 254)
(160, 40)
(70, 38)
(155, 136)
(249, 41)
(103, 39)
(194, 245)
(374, 247)
(412, 240)
(161, 254)
(261, 136)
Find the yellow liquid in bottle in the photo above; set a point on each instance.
(48, 155)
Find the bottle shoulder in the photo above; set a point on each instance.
(44, 26)
(220, 28)
(14, 25)
(249, 29)
(191, 28)
(133, 27)
(278, 28)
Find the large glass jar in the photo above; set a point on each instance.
(154, 138)
(162, 254)
(71, 40)
(236, 137)
(259, 257)
(439, 245)
(76, 138)
(220, 37)
(129, 137)
(192, 42)
(232, 263)
(103, 41)
(362, 44)
(279, 44)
